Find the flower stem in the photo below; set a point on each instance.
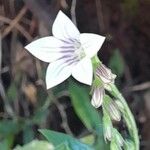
(128, 116)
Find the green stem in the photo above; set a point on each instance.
(129, 118)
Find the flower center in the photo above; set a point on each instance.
(79, 51)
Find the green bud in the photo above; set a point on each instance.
(107, 126)
(118, 137)
(112, 108)
(129, 145)
(105, 74)
(114, 146)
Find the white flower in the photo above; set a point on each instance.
(67, 51)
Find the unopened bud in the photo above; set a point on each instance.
(107, 127)
(97, 97)
(118, 137)
(114, 146)
(114, 112)
(105, 74)
(129, 145)
(112, 108)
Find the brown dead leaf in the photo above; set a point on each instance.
(30, 92)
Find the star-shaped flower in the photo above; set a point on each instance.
(68, 51)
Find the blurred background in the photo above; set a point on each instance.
(26, 105)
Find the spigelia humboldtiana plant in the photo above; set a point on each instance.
(71, 53)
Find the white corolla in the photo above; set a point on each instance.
(68, 51)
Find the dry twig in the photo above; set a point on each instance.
(100, 16)
(73, 12)
(14, 21)
(7, 106)
(140, 87)
(62, 113)
(18, 27)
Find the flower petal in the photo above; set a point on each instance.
(83, 71)
(97, 97)
(64, 29)
(49, 49)
(91, 43)
(57, 72)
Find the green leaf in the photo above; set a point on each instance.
(88, 139)
(59, 90)
(36, 145)
(116, 63)
(40, 114)
(63, 146)
(86, 112)
(28, 134)
(12, 92)
(4, 145)
(9, 127)
(7, 143)
(57, 138)
(83, 108)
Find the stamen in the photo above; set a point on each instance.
(79, 51)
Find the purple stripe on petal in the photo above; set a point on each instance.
(65, 57)
(65, 64)
(67, 47)
(66, 42)
(67, 51)
(104, 73)
(62, 48)
(71, 58)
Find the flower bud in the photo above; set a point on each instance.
(107, 127)
(118, 137)
(114, 146)
(129, 145)
(97, 97)
(105, 74)
(112, 108)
